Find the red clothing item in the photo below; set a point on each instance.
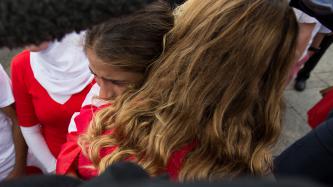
(35, 106)
(72, 159)
(319, 112)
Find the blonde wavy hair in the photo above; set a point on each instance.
(219, 84)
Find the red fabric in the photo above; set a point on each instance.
(67, 157)
(31, 170)
(175, 162)
(71, 156)
(70, 151)
(319, 112)
(35, 106)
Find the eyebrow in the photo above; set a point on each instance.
(108, 79)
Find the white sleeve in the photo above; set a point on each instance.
(6, 95)
(38, 147)
(303, 17)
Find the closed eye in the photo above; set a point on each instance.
(116, 82)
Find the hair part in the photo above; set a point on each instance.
(132, 42)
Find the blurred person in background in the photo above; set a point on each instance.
(13, 149)
(50, 82)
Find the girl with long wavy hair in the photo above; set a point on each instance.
(212, 104)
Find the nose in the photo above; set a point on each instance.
(106, 92)
(106, 89)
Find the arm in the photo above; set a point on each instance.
(315, 45)
(325, 17)
(318, 39)
(305, 32)
(26, 115)
(19, 143)
(38, 147)
(6, 106)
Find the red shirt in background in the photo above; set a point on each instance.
(35, 106)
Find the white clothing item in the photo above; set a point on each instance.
(38, 147)
(91, 99)
(7, 152)
(72, 125)
(324, 30)
(33, 161)
(6, 95)
(305, 18)
(7, 149)
(62, 69)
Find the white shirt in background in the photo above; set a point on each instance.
(319, 28)
(7, 150)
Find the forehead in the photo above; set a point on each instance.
(106, 70)
(98, 66)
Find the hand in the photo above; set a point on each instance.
(15, 173)
(72, 174)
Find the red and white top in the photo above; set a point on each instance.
(71, 158)
(35, 106)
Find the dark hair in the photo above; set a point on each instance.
(132, 42)
(44, 20)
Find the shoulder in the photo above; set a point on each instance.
(21, 61)
(6, 96)
(303, 17)
(3, 76)
(82, 119)
(22, 58)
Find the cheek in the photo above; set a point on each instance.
(119, 90)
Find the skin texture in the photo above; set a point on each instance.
(20, 145)
(305, 31)
(112, 80)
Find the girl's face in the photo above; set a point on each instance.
(113, 81)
